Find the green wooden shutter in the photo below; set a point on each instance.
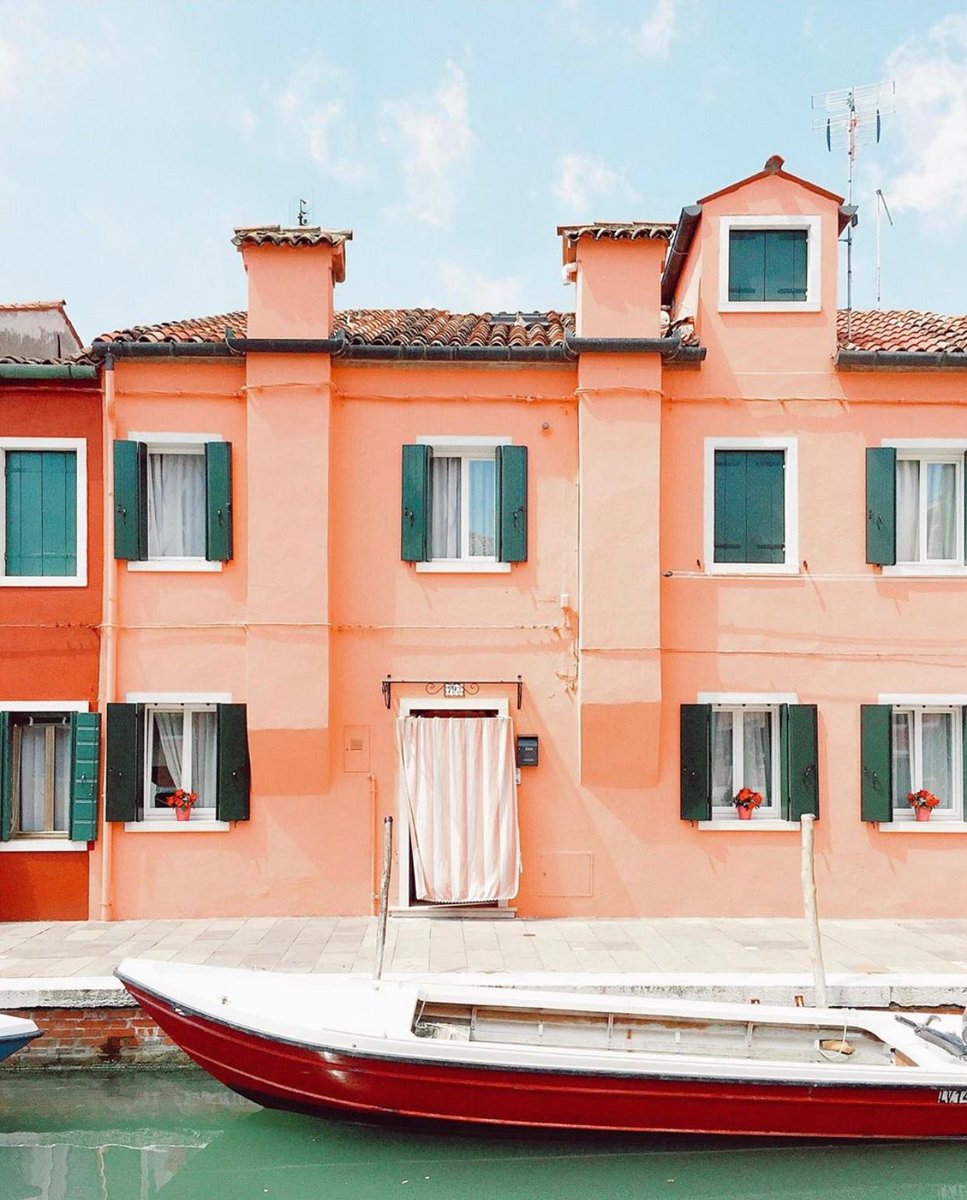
(746, 264)
(234, 771)
(876, 790)
(799, 746)
(130, 500)
(881, 505)
(765, 506)
(40, 494)
(785, 264)
(124, 777)
(729, 536)
(218, 491)
(416, 503)
(85, 774)
(6, 778)
(511, 503)
(696, 752)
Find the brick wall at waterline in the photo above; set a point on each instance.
(93, 1037)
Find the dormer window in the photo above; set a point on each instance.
(769, 264)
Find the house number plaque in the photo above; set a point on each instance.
(453, 689)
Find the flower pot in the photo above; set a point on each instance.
(923, 813)
(745, 812)
(183, 814)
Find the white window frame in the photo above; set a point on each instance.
(79, 447)
(407, 705)
(790, 447)
(158, 820)
(727, 817)
(465, 448)
(952, 450)
(904, 818)
(51, 842)
(175, 443)
(813, 227)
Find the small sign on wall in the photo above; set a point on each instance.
(455, 690)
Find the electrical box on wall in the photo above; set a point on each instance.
(528, 751)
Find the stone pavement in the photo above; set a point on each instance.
(667, 947)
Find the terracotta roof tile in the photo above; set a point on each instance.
(903, 330)
(298, 235)
(628, 231)
(376, 327)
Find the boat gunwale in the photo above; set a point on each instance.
(885, 1077)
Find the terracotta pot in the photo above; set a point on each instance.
(745, 812)
(183, 814)
(923, 813)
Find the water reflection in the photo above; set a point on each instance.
(182, 1139)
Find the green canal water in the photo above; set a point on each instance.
(176, 1135)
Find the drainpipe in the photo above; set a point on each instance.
(108, 628)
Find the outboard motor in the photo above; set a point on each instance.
(957, 1046)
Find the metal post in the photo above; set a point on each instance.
(384, 894)
(809, 904)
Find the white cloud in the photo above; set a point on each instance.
(584, 178)
(308, 102)
(931, 81)
(432, 137)
(656, 32)
(473, 291)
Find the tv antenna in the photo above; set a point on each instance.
(302, 217)
(853, 117)
(881, 207)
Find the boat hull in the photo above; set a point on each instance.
(310, 1079)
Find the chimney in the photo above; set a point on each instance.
(291, 277)
(616, 268)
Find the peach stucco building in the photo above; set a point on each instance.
(550, 590)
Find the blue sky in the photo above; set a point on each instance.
(452, 136)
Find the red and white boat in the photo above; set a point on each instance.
(560, 1059)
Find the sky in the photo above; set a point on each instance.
(452, 137)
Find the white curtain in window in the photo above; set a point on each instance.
(460, 790)
(901, 743)
(723, 791)
(32, 784)
(907, 510)
(62, 779)
(445, 507)
(169, 727)
(203, 726)
(941, 511)
(937, 770)
(176, 506)
(757, 752)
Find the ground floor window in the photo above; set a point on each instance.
(49, 770)
(157, 746)
(927, 755)
(745, 754)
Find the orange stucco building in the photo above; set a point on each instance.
(50, 613)
(551, 590)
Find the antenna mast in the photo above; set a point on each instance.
(853, 117)
(881, 207)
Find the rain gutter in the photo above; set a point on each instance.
(900, 360)
(681, 244)
(29, 371)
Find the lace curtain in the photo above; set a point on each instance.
(176, 505)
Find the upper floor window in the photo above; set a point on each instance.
(913, 744)
(173, 501)
(751, 522)
(44, 521)
(770, 264)
(464, 504)
(915, 506)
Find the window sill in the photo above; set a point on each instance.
(924, 570)
(176, 564)
(195, 825)
(731, 824)
(914, 826)
(41, 846)
(34, 581)
(462, 567)
(747, 570)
